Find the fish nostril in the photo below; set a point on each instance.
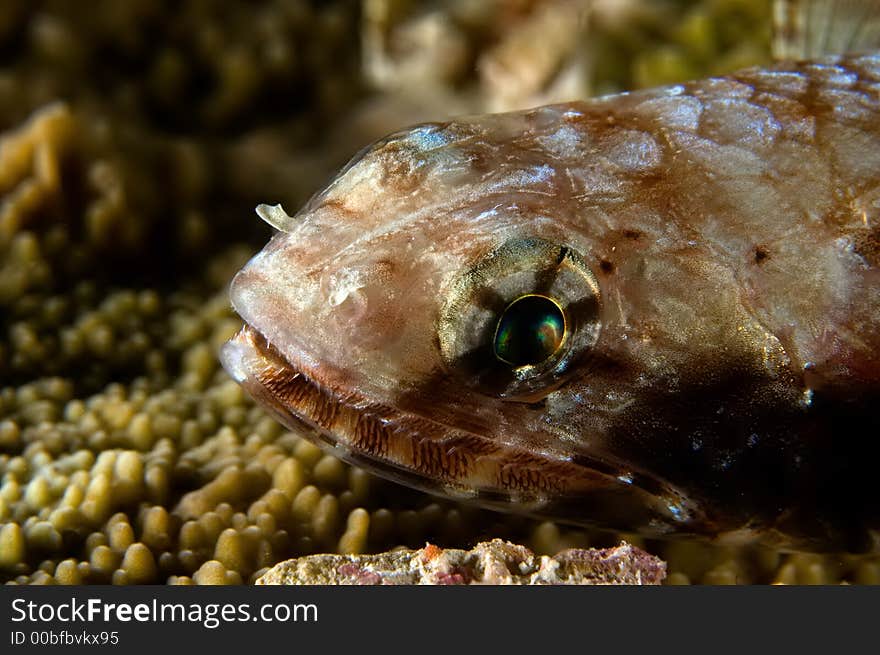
(362, 282)
(342, 284)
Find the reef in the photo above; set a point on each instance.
(136, 141)
(493, 562)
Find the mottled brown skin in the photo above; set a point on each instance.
(733, 229)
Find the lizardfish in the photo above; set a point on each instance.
(655, 311)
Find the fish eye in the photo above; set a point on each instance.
(530, 331)
(514, 321)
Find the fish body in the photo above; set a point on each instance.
(654, 311)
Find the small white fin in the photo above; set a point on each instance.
(275, 216)
(803, 29)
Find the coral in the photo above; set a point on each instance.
(134, 148)
(493, 562)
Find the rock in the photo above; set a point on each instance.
(493, 562)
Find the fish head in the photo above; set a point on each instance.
(452, 313)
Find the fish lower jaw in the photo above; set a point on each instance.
(373, 436)
(346, 425)
(426, 455)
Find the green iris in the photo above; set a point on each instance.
(529, 331)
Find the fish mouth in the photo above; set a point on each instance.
(422, 453)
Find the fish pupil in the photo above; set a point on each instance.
(530, 331)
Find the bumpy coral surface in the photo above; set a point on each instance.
(137, 137)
